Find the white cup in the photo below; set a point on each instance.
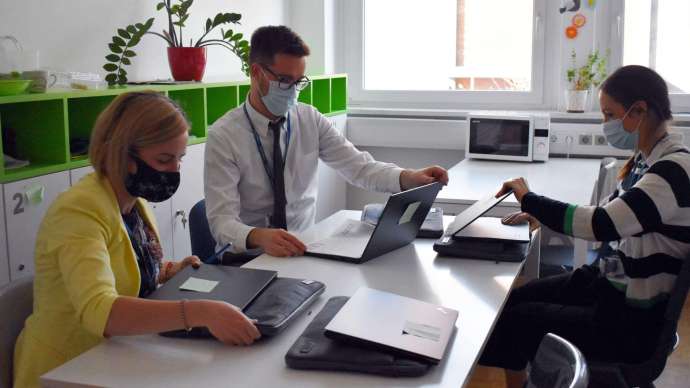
(42, 80)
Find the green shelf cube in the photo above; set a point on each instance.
(82, 113)
(244, 90)
(321, 95)
(338, 94)
(220, 100)
(192, 101)
(305, 94)
(43, 142)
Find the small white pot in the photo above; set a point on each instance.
(576, 100)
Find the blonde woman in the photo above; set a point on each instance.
(98, 251)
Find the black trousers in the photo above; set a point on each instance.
(581, 307)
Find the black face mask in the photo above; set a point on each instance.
(151, 184)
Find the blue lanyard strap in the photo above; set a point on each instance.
(260, 147)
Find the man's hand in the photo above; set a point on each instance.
(276, 242)
(413, 178)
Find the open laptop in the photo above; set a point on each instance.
(472, 236)
(356, 241)
(394, 323)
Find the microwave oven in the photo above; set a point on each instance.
(513, 136)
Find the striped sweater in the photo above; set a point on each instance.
(650, 220)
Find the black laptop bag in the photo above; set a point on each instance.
(274, 308)
(313, 350)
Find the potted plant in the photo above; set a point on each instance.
(582, 78)
(186, 62)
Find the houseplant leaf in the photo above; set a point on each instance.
(115, 48)
(123, 33)
(112, 58)
(118, 41)
(129, 53)
(110, 67)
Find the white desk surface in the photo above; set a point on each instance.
(477, 289)
(568, 180)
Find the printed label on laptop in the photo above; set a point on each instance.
(409, 213)
(422, 331)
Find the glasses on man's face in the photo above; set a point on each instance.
(286, 82)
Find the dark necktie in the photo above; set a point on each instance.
(279, 219)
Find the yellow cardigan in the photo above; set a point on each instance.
(84, 261)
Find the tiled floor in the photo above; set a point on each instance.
(676, 374)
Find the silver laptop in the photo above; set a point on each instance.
(394, 323)
(357, 241)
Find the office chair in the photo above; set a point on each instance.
(16, 304)
(643, 374)
(204, 245)
(557, 364)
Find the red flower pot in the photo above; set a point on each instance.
(187, 63)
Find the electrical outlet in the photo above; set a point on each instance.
(600, 140)
(553, 138)
(585, 139)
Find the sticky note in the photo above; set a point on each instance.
(199, 285)
(409, 213)
(422, 331)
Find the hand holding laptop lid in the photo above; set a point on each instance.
(518, 186)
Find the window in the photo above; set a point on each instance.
(444, 52)
(460, 44)
(656, 34)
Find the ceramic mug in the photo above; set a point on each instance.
(42, 80)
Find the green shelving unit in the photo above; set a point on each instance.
(40, 127)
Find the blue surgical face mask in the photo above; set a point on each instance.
(279, 101)
(618, 137)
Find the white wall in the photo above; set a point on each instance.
(72, 35)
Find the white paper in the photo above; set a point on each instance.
(199, 285)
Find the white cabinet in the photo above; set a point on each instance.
(78, 173)
(331, 196)
(190, 192)
(26, 202)
(4, 259)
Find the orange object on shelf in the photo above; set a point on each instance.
(571, 32)
(579, 20)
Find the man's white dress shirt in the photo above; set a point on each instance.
(239, 195)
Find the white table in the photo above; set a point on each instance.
(478, 289)
(567, 180)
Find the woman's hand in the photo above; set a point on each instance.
(226, 322)
(170, 268)
(517, 185)
(520, 218)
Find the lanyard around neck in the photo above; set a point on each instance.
(260, 147)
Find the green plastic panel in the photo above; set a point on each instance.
(244, 90)
(193, 103)
(219, 100)
(82, 113)
(338, 94)
(305, 95)
(322, 95)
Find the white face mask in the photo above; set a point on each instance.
(618, 137)
(279, 101)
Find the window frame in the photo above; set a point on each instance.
(680, 102)
(351, 27)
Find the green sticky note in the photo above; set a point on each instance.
(35, 193)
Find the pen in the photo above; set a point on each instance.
(217, 256)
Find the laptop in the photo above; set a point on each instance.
(357, 241)
(472, 236)
(395, 324)
(235, 285)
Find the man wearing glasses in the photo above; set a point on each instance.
(262, 157)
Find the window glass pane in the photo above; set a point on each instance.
(656, 32)
(448, 44)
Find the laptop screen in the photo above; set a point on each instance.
(473, 212)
